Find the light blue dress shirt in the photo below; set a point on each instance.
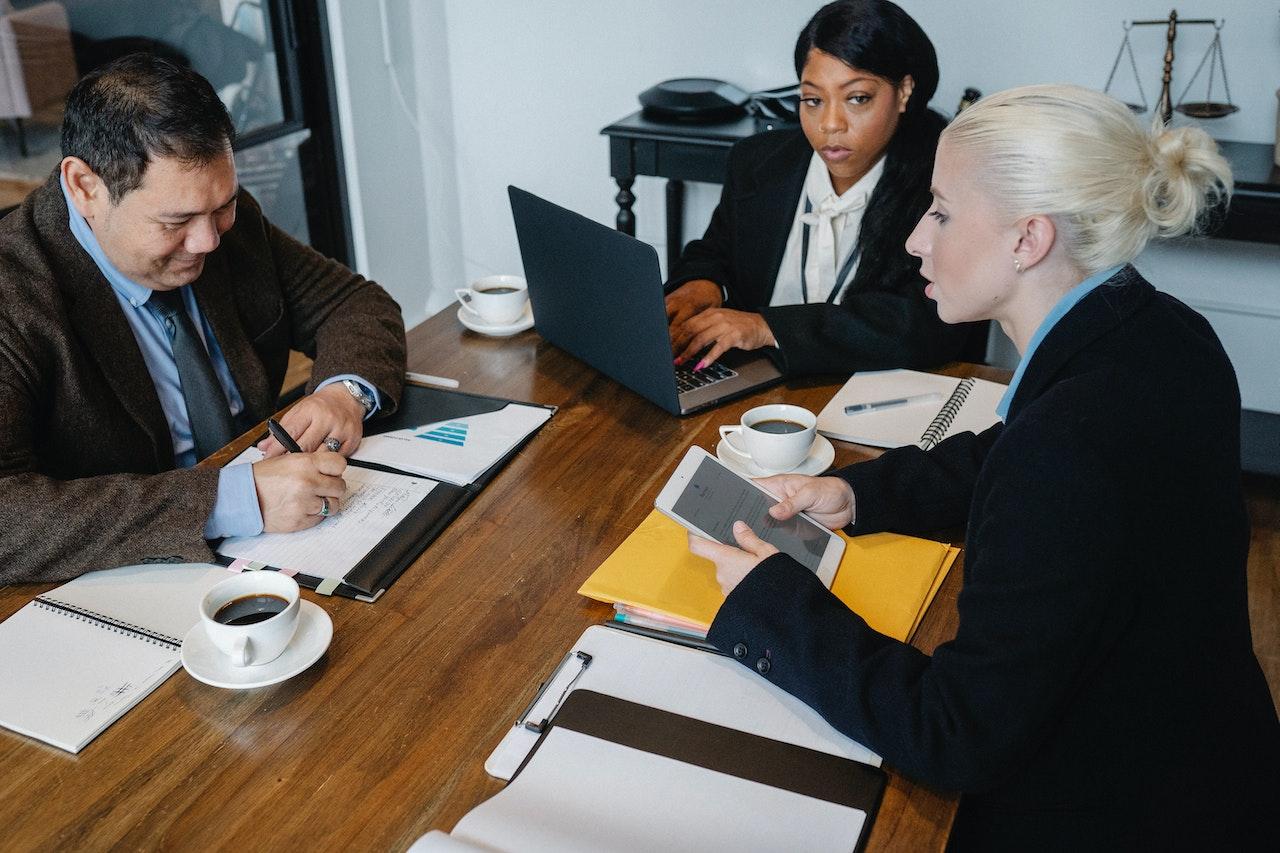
(236, 511)
(1059, 310)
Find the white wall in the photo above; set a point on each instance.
(533, 83)
(398, 142)
(509, 91)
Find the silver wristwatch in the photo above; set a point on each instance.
(358, 392)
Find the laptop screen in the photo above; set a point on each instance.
(597, 294)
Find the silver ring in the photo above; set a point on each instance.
(324, 507)
(333, 443)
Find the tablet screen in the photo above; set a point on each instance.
(715, 498)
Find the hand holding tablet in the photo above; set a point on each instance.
(827, 500)
(707, 498)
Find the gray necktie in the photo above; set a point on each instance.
(207, 408)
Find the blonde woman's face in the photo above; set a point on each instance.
(966, 251)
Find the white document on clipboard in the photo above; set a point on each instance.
(679, 679)
(638, 744)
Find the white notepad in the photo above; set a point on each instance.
(957, 405)
(78, 657)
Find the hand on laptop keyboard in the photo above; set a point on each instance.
(718, 330)
(688, 379)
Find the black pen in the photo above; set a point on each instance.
(281, 435)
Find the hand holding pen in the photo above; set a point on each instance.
(281, 435)
(298, 490)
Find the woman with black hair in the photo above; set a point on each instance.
(804, 252)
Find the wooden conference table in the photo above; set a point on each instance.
(386, 736)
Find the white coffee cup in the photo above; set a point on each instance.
(496, 299)
(776, 437)
(260, 642)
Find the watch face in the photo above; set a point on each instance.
(358, 392)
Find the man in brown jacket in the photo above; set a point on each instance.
(147, 309)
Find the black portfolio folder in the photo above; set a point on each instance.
(831, 778)
(419, 404)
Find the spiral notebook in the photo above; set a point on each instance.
(940, 406)
(76, 658)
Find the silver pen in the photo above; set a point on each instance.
(428, 379)
(880, 405)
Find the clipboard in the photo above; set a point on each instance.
(695, 737)
(648, 667)
(398, 550)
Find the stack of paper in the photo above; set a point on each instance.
(457, 450)
(887, 579)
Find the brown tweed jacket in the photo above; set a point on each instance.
(86, 461)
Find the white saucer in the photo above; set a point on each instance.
(475, 323)
(820, 457)
(201, 657)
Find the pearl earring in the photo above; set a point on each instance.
(1017, 265)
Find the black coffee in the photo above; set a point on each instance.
(249, 609)
(778, 426)
(499, 290)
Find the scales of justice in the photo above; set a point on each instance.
(1213, 57)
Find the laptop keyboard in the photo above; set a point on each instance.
(688, 379)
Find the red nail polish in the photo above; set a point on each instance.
(700, 365)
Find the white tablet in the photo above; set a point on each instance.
(707, 498)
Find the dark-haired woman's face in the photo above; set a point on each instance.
(848, 115)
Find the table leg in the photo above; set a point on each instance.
(625, 199)
(675, 222)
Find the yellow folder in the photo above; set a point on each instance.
(885, 578)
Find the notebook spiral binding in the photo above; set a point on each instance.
(937, 429)
(108, 623)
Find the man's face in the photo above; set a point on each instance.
(159, 234)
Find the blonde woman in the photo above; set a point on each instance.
(1102, 692)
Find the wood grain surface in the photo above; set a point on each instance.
(386, 736)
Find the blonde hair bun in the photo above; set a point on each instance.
(1083, 158)
(1187, 175)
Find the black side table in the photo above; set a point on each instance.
(1255, 205)
(700, 152)
(677, 152)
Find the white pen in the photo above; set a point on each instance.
(878, 405)
(428, 379)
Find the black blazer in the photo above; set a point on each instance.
(1102, 691)
(884, 320)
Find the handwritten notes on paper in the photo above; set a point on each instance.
(376, 502)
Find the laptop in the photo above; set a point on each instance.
(597, 295)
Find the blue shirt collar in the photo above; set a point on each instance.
(1065, 304)
(136, 294)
